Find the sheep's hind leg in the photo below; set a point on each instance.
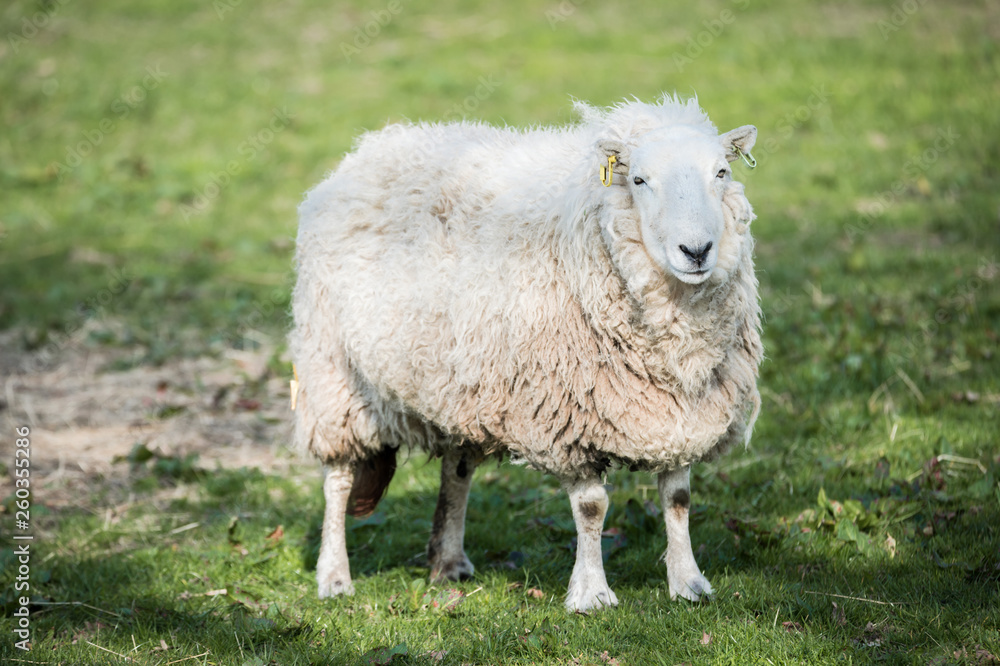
(683, 575)
(588, 586)
(333, 571)
(446, 550)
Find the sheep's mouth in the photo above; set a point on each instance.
(693, 277)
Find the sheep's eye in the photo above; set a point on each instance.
(638, 181)
(722, 173)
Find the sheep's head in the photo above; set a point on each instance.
(677, 177)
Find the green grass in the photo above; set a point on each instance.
(877, 256)
(776, 582)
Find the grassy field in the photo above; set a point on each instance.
(151, 161)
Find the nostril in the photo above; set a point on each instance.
(697, 255)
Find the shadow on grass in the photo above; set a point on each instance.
(238, 587)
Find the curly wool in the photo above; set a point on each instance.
(467, 284)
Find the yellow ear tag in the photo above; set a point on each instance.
(294, 386)
(606, 171)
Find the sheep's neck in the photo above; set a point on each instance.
(675, 334)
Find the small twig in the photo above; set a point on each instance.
(121, 656)
(534, 506)
(177, 661)
(841, 596)
(478, 589)
(910, 384)
(778, 398)
(73, 603)
(739, 464)
(955, 460)
(873, 399)
(183, 528)
(958, 460)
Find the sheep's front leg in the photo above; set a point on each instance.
(333, 571)
(588, 587)
(446, 549)
(682, 571)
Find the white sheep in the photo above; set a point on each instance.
(472, 290)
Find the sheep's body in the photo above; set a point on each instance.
(469, 288)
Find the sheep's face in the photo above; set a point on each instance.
(677, 177)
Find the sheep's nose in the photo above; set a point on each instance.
(698, 254)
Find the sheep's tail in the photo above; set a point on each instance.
(371, 478)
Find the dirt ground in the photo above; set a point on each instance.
(231, 411)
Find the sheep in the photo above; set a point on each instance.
(575, 298)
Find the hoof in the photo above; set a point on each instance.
(336, 587)
(454, 570)
(589, 600)
(696, 588)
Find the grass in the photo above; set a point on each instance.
(877, 256)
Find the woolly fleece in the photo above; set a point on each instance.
(462, 284)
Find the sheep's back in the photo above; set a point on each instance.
(437, 276)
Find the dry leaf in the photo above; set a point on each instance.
(89, 630)
(980, 656)
(838, 615)
(985, 657)
(791, 626)
(706, 638)
(970, 397)
(871, 638)
(247, 404)
(535, 592)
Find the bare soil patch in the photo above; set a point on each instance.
(232, 411)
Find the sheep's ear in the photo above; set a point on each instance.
(609, 147)
(742, 138)
(614, 148)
